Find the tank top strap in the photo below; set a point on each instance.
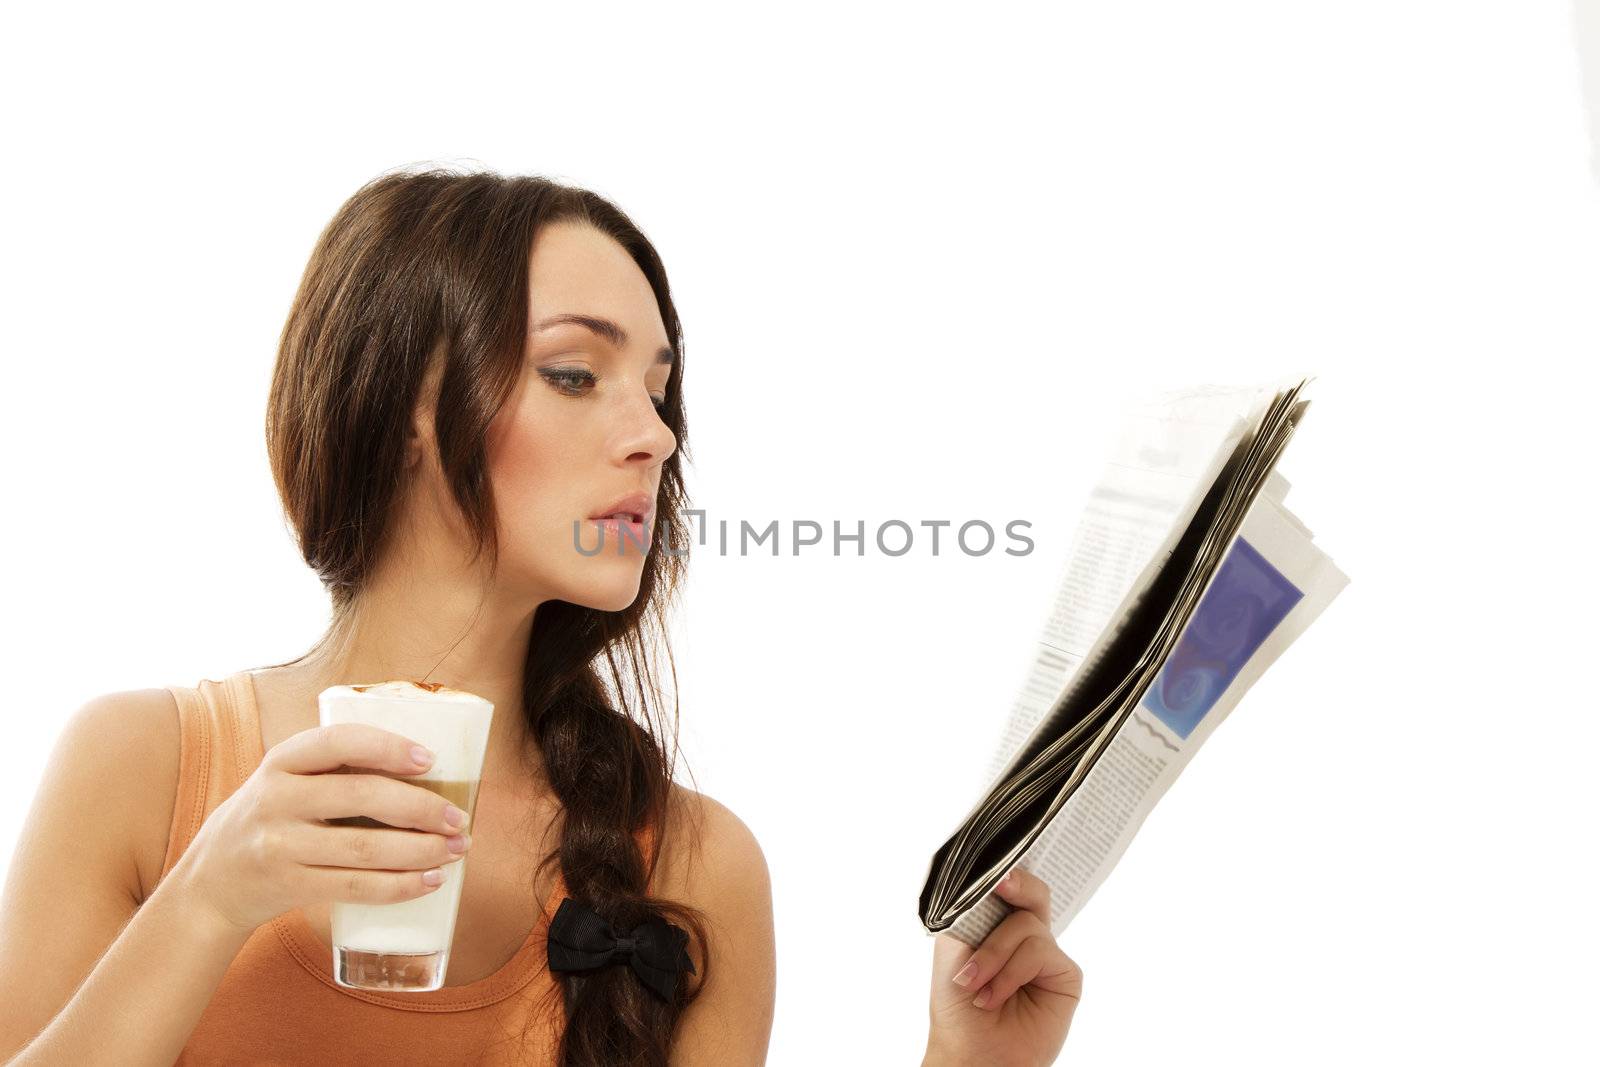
(215, 743)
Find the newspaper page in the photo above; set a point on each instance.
(1169, 450)
(1270, 585)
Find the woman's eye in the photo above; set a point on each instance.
(567, 380)
(575, 381)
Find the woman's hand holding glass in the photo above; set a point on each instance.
(267, 849)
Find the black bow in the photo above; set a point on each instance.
(580, 940)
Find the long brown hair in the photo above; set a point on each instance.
(437, 259)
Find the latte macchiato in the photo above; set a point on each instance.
(406, 946)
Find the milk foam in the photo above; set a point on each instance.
(451, 722)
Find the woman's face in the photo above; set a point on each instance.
(582, 430)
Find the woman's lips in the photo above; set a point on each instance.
(635, 507)
(622, 531)
(625, 521)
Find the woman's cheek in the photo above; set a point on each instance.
(539, 490)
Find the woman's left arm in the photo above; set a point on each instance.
(730, 1022)
(1010, 1001)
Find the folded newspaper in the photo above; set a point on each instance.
(1186, 579)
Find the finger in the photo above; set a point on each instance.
(371, 887)
(388, 801)
(989, 957)
(353, 744)
(1037, 962)
(950, 953)
(1026, 890)
(392, 850)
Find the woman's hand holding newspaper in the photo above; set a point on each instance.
(1008, 1002)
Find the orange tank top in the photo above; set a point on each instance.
(278, 1002)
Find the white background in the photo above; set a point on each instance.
(921, 259)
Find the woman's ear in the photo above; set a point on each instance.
(419, 434)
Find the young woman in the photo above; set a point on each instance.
(477, 373)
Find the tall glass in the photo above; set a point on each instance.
(406, 946)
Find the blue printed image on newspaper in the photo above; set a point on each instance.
(1246, 599)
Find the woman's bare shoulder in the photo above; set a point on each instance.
(710, 857)
(124, 747)
(711, 861)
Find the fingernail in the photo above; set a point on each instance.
(433, 877)
(964, 975)
(457, 843)
(454, 815)
(421, 756)
(981, 999)
(1005, 883)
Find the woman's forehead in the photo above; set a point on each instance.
(578, 273)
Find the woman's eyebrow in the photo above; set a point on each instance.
(607, 329)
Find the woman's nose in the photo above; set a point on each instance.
(650, 440)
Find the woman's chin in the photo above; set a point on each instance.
(612, 596)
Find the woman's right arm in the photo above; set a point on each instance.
(73, 886)
(87, 974)
(146, 994)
